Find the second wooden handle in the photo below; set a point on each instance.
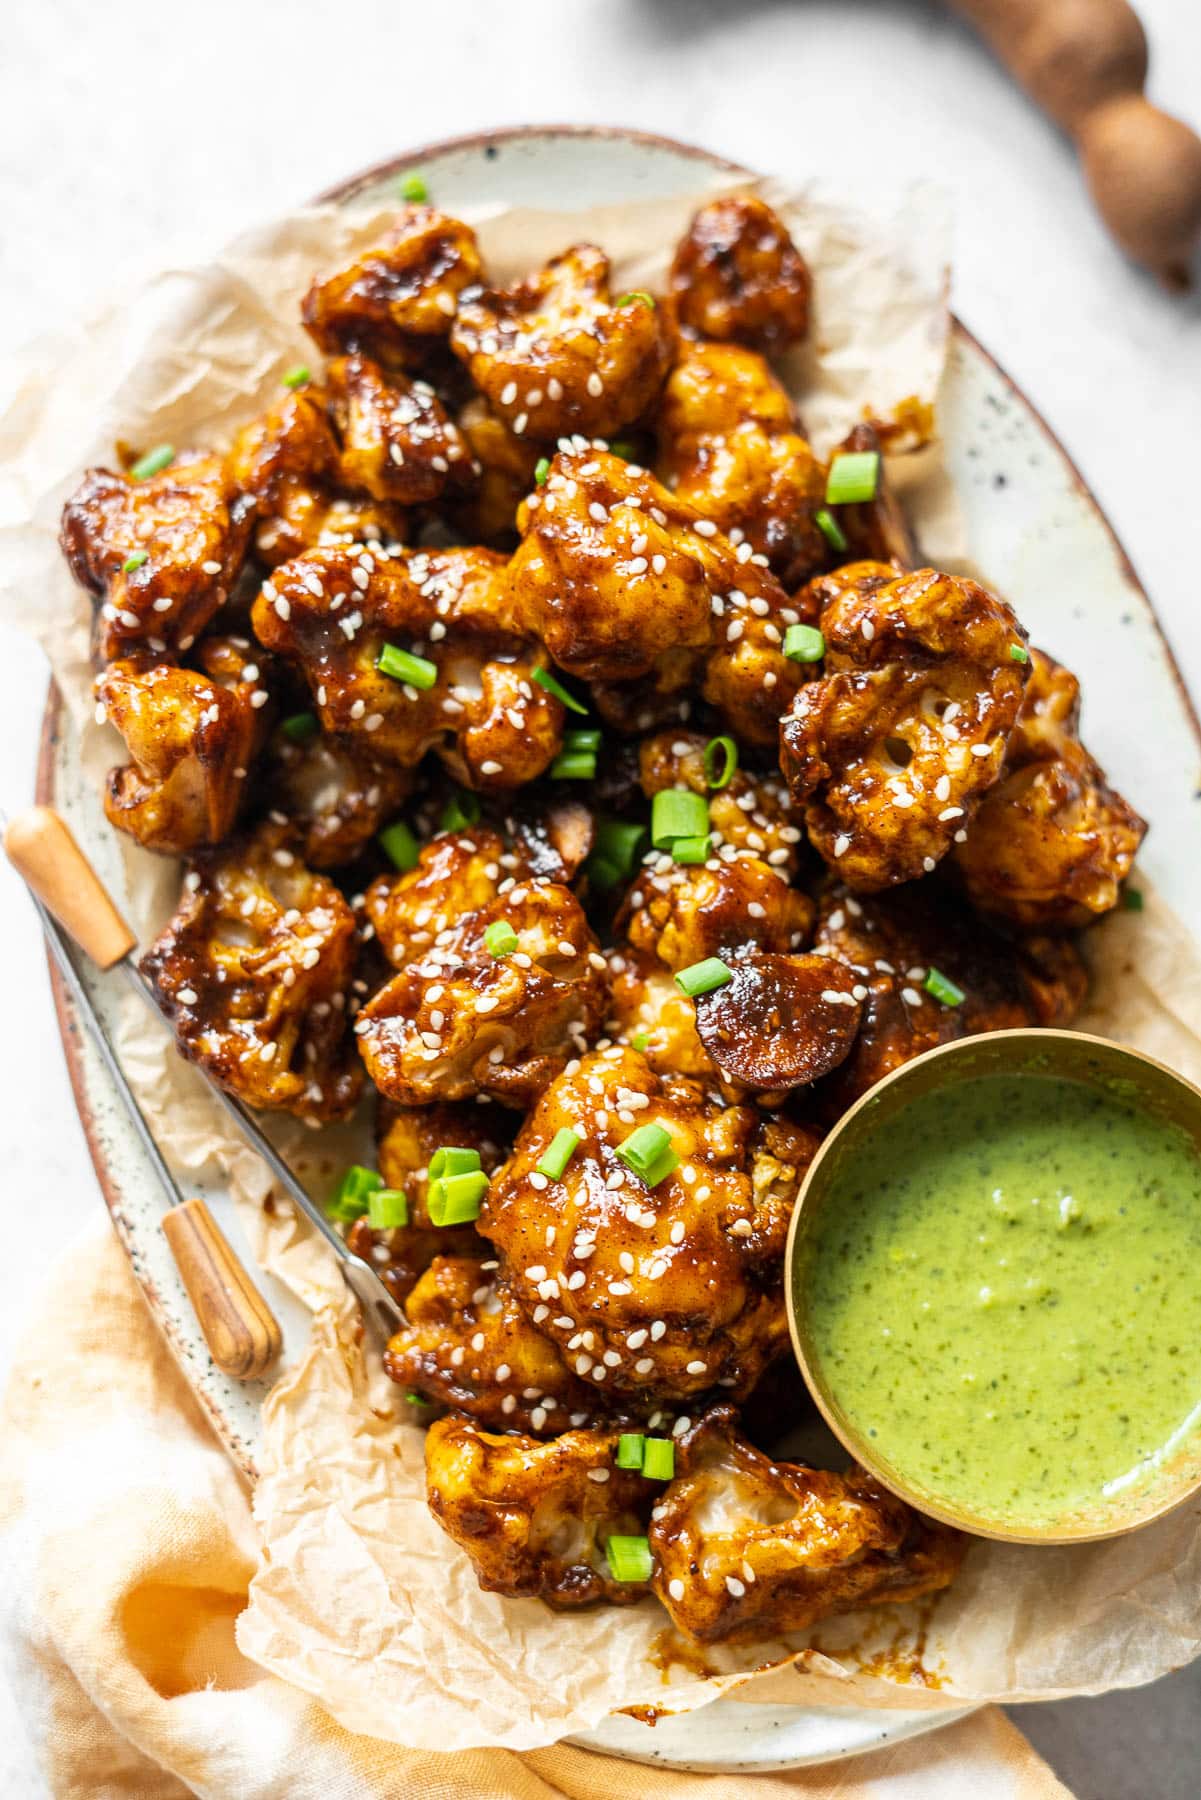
(239, 1327)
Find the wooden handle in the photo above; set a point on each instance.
(239, 1327)
(39, 845)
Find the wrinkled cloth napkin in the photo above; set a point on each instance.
(126, 1547)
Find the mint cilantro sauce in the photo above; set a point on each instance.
(1007, 1295)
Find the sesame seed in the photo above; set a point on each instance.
(596, 386)
(681, 1426)
(695, 1367)
(842, 844)
(735, 1587)
(490, 767)
(644, 1365)
(675, 1588)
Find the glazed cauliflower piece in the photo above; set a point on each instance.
(161, 555)
(556, 354)
(623, 581)
(508, 468)
(738, 275)
(253, 973)
(398, 443)
(335, 794)
(752, 813)
(729, 445)
(890, 942)
(1052, 843)
(191, 737)
(893, 747)
(660, 1291)
(333, 612)
(468, 1345)
(746, 1547)
(458, 874)
(397, 299)
(682, 913)
(535, 1517)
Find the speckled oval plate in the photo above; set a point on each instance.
(1041, 538)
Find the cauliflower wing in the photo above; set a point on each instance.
(398, 445)
(891, 749)
(752, 812)
(746, 1547)
(253, 972)
(658, 1291)
(336, 795)
(737, 274)
(397, 299)
(555, 354)
(535, 1517)
(332, 612)
(729, 445)
(161, 555)
(1052, 843)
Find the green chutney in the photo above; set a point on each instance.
(1006, 1295)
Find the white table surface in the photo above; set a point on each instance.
(127, 130)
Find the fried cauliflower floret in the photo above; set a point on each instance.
(752, 812)
(508, 467)
(555, 354)
(462, 1020)
(162, 554)
(332, 612)
(335, 794)
(1052, 842)
(529, 1515)
(891, 749)
(396, 300)
(657, 1291)
(191, 737)
(737, 274)
(458, 874)
(729, 445)
(397, 442)
(468, 1345)
(287, 462)
(622, 581)
(746, 1547)
(686, 912)
(253, 972)
(891, 942)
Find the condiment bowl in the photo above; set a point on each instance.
(1126, 1077)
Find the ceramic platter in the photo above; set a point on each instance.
(1037, 534)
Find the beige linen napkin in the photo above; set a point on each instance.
(126, 1547)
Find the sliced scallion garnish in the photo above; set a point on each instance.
(629, 1450)
(154, 461)
(298, 377)
(387, 1208)
(558, 1153)
(629, 1558)
(940, 987)
(721, 761)
(648, 1152)
(677, 813)
(500, 939)
(456, 1199)
(804, 643)
(300, 728)
(853, 478)
(399, 845)
(659, 1459)
(830, 529)
(402, 665)
(546, 680)
(704, 977)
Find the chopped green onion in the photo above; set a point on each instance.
(350, 1198)
(399, 845)
(629, 1558)
(402, 665)
(581, 738)
(853, 476)
(461, 810)
(299, 376)
(721, 760)
(619, 842)
(546, 680)
(416, 1399)
(830, 529)
(659, 1459)
(412, 187)
(558, 1153)
(455, 1200)
(603, 874)
(677, 813)
(1018, 653)
(154, 461)
(387, 1208)
(704, 977)
(691, 850)
(941, 987)
(629, 1450)
(500, 938)
(541, 470)
(804, 643)
(640, 1041)
(300, 727)
(452, 1159)
(135, 561)
(636, 294)
(648, 1152)
(624, 448)
(1132, 900)
(574, 765)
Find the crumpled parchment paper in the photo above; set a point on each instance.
(361, 1600)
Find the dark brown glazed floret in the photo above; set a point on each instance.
(397, 299)
(253, 972)
(398, 444)
(468, 1345)
(332, 612)
(892, 748)
(746, 1547)
(1052, 842)
(556, 354)
(335, 794)
(191, 736)
(752, 812)
(737, 274)
(535, 1517)
(185, 530)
